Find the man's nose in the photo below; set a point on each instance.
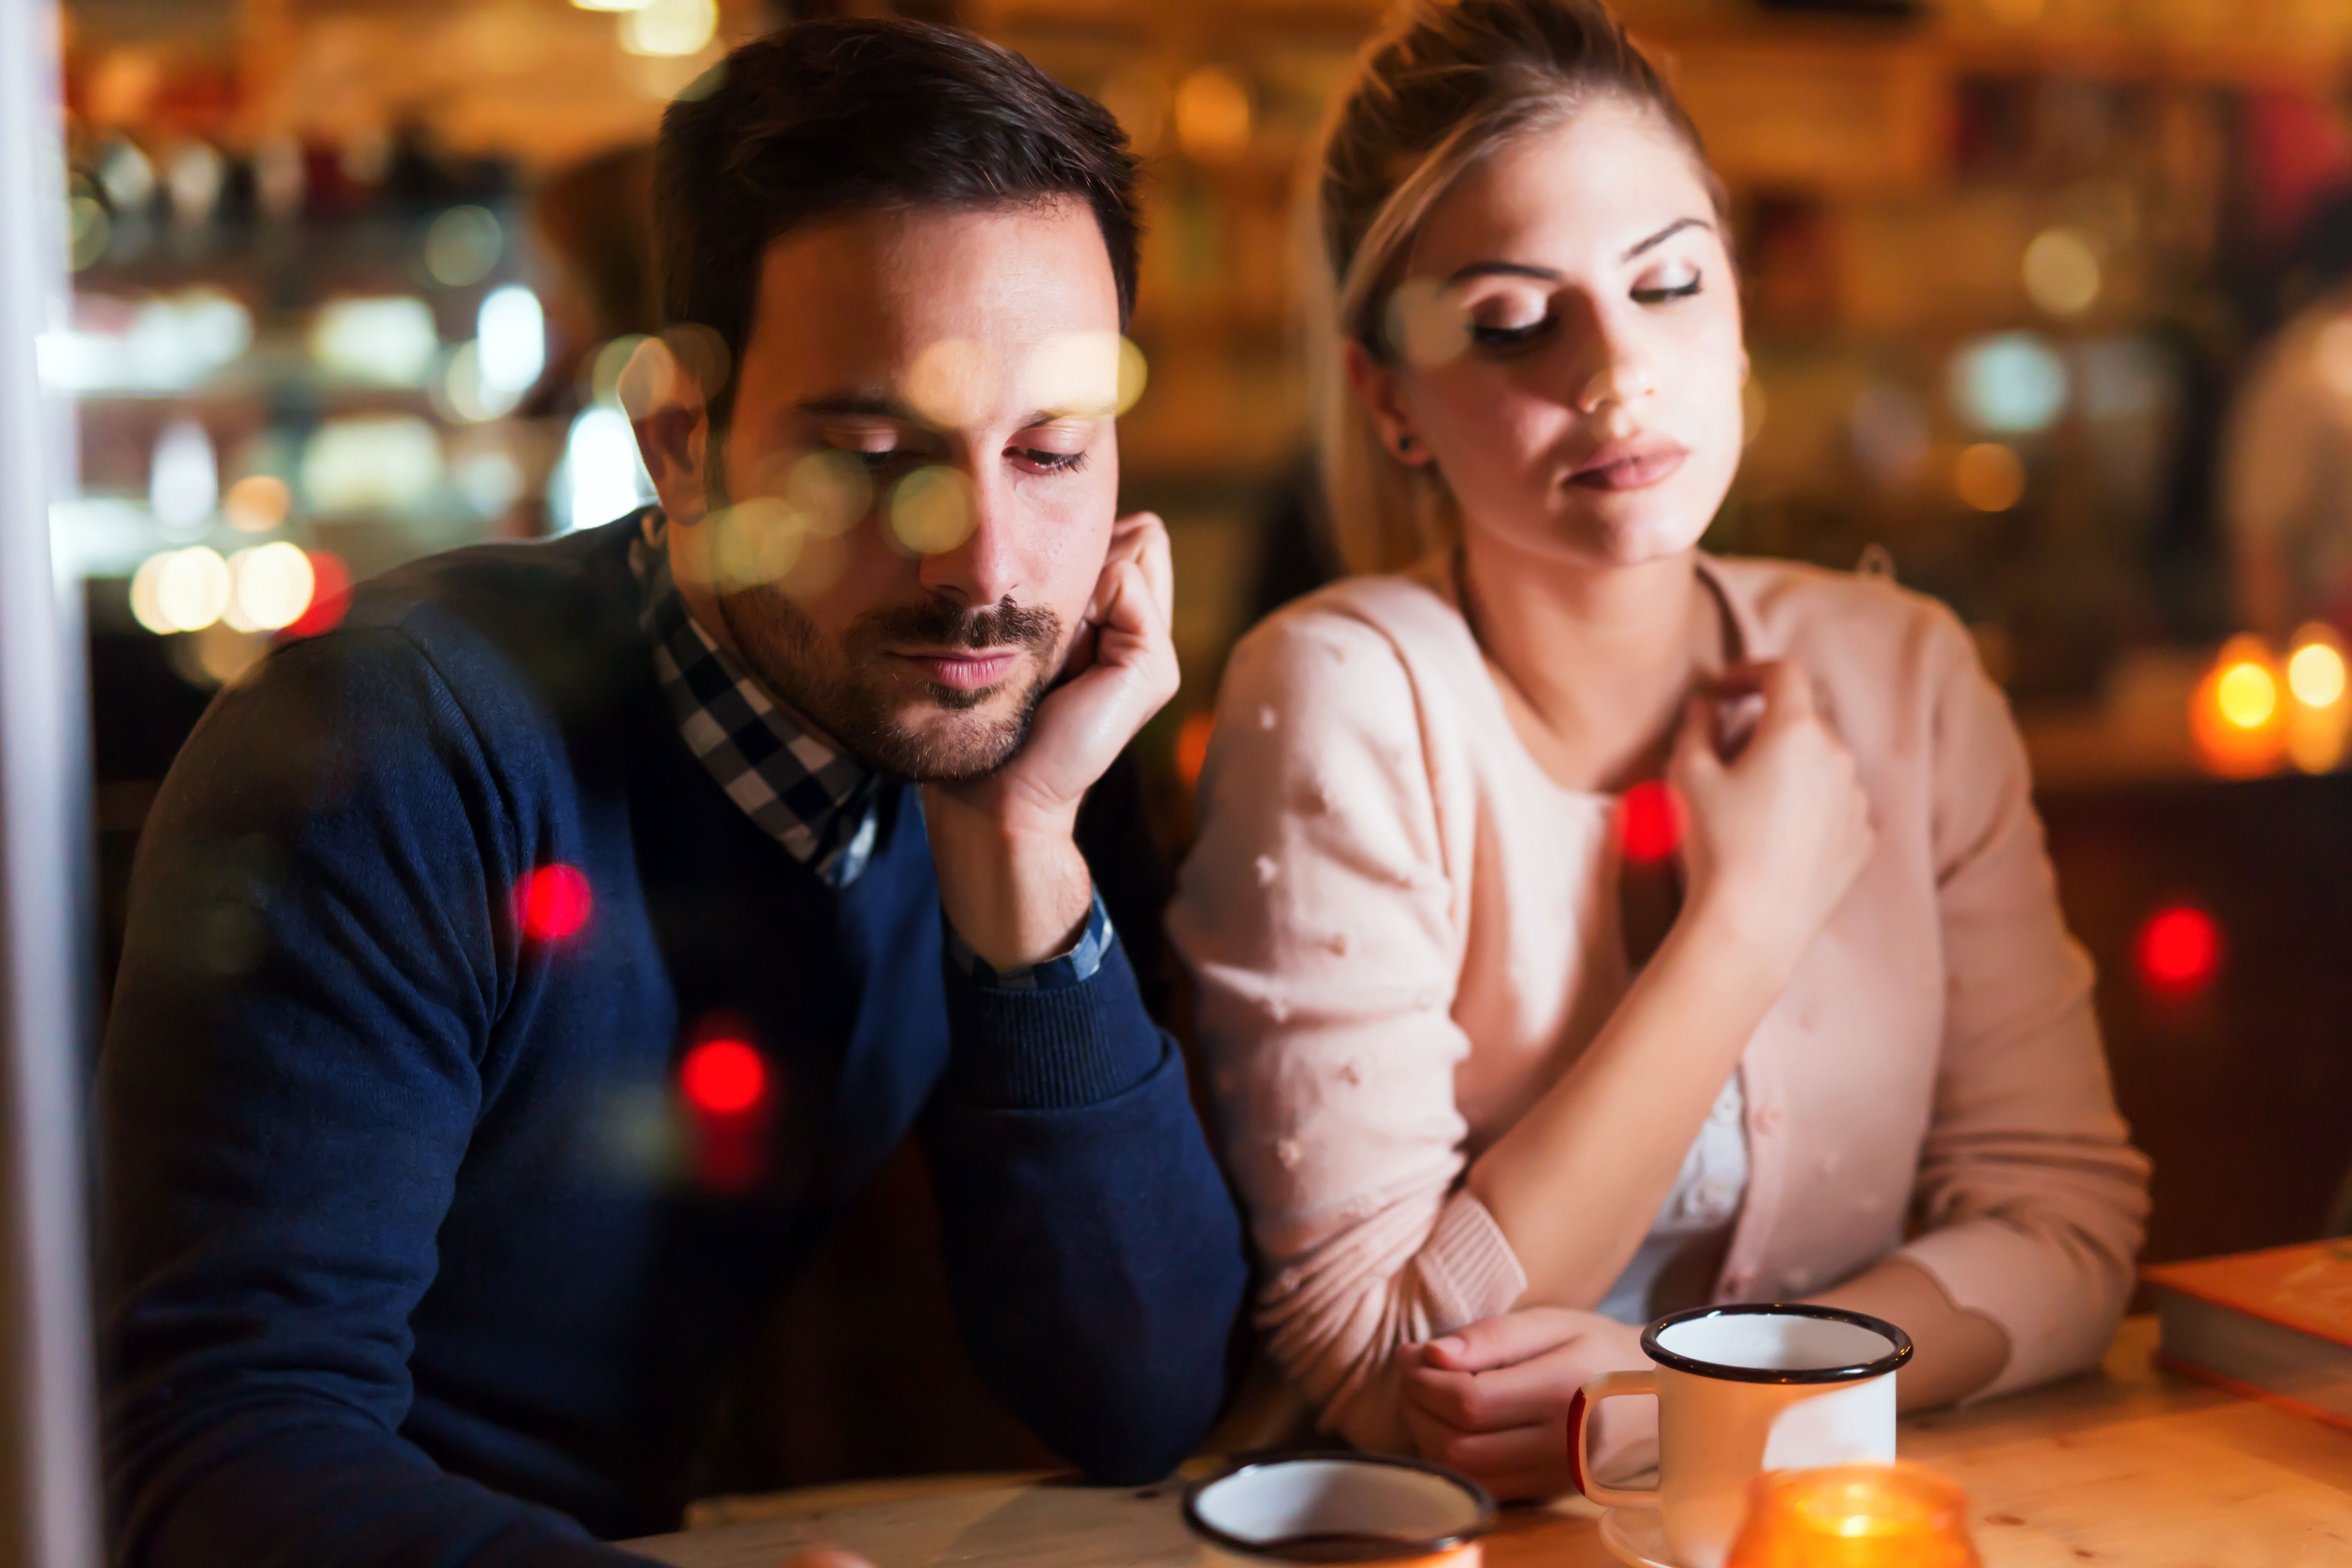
(985, 566)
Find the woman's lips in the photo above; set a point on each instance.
(964, 671)
(1630, 468)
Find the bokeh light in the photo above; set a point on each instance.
(666, 28)
(330, 595)
(2315, 670)
(1427, 324)
(1649, 822)
(2246, 695)
(269, 587)
(462, 246)
(2061, 272)
(2009, 383)
(371, 463)
(180, 590)
(723, 1078)
(1213, 116)
(604, 475)
(1087, 374)
(1989, 477)
(510, 335)
(553, 902)
(391, 340)
(2178, 950)
(257, 503)
(2235, 711)
(1192, 739)
(184, 479)
(948, 383)
(1890, 433)
(932, 510)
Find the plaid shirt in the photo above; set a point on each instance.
(814, 798)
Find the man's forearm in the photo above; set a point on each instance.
(1014, 887)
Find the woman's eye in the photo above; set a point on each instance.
(1661, 293)
(1051, 462)
(1505, 337)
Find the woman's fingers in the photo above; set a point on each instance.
(1537, 1390)
(1523, 1462)
(1505, 1337)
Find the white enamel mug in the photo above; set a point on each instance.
(1742, 1390)
(1338, 1508)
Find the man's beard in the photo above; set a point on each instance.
(837, 688)
(841, 688)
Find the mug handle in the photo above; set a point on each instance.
(1580, 1415)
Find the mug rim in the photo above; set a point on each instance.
(1423, 1546)
(1856, 1373)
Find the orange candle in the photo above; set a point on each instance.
(1855, 1516)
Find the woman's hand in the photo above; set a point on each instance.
(1491, 1400)
(1775, 835)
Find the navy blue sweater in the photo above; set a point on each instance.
(410, 1255)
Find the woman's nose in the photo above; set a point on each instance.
(1618, 382)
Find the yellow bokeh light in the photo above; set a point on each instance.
(1213, 116)
(180, 590)
(1989, 477)
(669, 27)
(2061, 272)
(828, 492)
(269, 587)
(932, 510)
(1089, 375)
(257, 503)
(949, 384)
(757, 543)
(1426, 324)
(2246, 695)
(2315, 674)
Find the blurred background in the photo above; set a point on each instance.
(2051, 309)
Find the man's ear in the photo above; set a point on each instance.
(672, 422)
(1376, 388)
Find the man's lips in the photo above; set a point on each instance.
(1629, 466)
(965, 669)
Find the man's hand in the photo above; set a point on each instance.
(1011, 877)
(1491, 1400)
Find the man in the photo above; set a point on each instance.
(519, 976)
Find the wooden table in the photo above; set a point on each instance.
(2128, 1467)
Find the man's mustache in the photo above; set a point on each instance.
(942, 622)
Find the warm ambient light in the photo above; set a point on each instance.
(723, 1078)
(2180, 951)
(2315, 674)
(1855, 1516)
(1649, 823)
(2235, 713)
(552, 902)
(1989, 477)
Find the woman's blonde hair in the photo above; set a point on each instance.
(1441, 86)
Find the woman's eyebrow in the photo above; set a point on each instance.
(1666, 234)
(1547, 275)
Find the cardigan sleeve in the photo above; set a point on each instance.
(1321, 927)
(2034, 1200)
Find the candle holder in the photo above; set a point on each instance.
(1855, 1516)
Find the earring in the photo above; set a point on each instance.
(1404, 444)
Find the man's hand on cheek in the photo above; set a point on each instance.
(1011, 877)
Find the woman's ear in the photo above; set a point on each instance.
(1376, 386)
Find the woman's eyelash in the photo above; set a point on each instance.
(1055, 462)
(1511, 337)
(1660, 296)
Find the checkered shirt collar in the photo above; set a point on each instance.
(803, 790)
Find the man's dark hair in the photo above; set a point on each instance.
(840, 115)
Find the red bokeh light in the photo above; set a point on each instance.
(1193, 746)
(330, 595)
(723, 1078)
(552, 902)
(2180, 949)
(1649, 822)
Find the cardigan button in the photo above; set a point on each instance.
(1768, 1119)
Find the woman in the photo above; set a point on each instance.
(1481, 1142)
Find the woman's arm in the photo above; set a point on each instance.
(2032, 1196)
(1956, 1352)
(1773, 839)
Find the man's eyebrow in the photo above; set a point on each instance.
(865, 405)
(1546, 274)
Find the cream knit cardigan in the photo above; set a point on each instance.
(1403, 931)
